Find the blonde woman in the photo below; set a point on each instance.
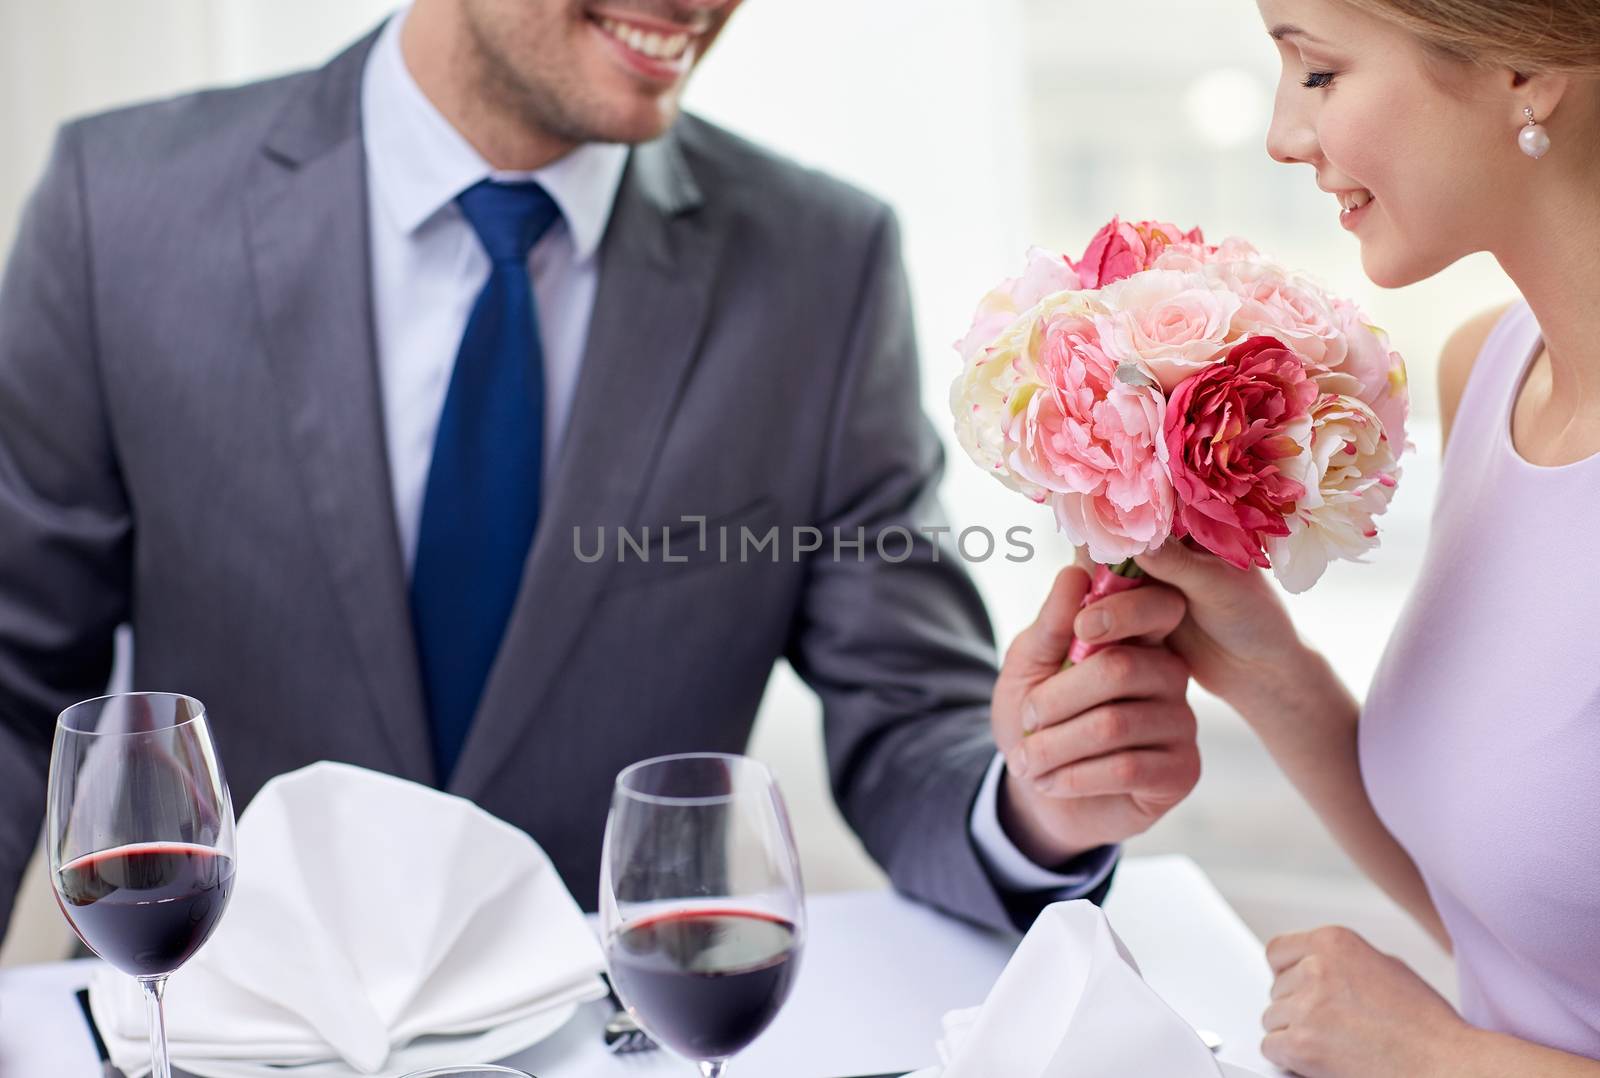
(1469, 784)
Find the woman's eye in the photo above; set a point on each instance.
(1317, 80)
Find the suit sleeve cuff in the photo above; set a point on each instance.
(1012, 870)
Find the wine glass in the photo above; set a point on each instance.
(701, 906)
(140, 836)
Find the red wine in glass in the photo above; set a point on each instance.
(139, 830)
(710, 980)
(146, 908)
(701, 903)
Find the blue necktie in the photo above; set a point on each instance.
(481, 504)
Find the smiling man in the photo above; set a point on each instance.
(526, 82)
(318, 382)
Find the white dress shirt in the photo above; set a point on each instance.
(428, 267)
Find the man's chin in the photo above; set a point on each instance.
(634, 125)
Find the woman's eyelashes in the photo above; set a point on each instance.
(1317, 80)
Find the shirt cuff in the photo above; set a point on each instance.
(1011, 869)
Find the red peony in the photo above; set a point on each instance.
(1237, 435)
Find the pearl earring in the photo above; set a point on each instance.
(1533, 139)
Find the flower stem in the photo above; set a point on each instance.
(1099, 588)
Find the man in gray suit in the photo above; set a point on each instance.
(333, 387)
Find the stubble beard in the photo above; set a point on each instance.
(555, 109)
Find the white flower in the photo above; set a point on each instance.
(1350, 475)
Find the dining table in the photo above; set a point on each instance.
(879, 973)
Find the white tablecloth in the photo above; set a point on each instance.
(877, 975)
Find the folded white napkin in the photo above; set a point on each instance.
(367, 911)
(1071, 1004)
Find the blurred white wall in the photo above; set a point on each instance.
(989, 125)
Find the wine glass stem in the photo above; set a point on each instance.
(154, 988)
(715, 1069)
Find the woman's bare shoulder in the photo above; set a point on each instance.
(1455, 362)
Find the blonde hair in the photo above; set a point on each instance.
(1527, 36)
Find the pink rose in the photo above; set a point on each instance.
(1171, 323)
(1183, 258)
(1234, 249)
(1378, 371)
(1094, 444)
(997, 382)
(1121, 249)
(1276, 304)
(1192, 257)
(1235, 434)
(1046, 273)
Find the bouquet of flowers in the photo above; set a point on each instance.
(1162, 387)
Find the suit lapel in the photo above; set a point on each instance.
(656, 274)
(307, 231)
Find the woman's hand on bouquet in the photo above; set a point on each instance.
(1236, 635)
(1100, 751)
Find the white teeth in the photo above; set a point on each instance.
(1354, 200)
(654, 45)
